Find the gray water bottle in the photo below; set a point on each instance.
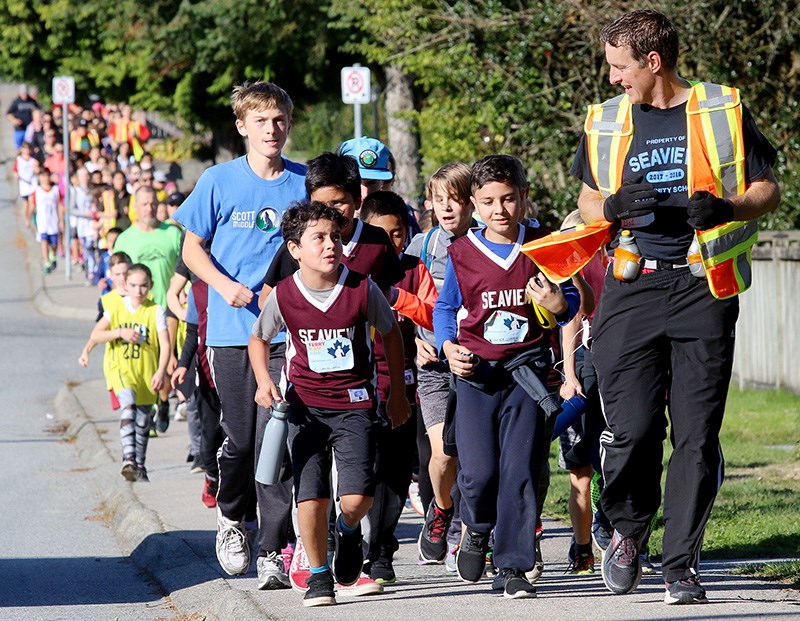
(627, 258)
(273, 445)
(695, 259)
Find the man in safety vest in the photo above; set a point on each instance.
(670, 161)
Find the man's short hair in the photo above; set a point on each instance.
(501, 168)
(302, 214)
(260, 96)
(642, 32)
(452, 178)
(331, 170)
(148, 189)
(384, 203)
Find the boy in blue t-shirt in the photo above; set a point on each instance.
(238, 206)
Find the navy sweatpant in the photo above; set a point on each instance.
(500, 440)
(663, 341)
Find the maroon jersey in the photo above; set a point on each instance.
(329, 362)
(200, 293)
(500, 321)
(409, 282)
(370, 252)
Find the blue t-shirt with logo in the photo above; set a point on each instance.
(241, 214)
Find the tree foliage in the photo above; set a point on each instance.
(504, 75)
(490, 75)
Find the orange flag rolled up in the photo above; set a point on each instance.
(561, 255)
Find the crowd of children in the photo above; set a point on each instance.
(399, 349)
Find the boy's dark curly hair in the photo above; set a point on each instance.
(299, 216)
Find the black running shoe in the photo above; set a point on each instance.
(601, 533)
(686, 591)
(162, 417)
(382, 571)
(320, 590)
(515, 584)
(621, 568)
(348, 556)
(433, 538)
(471, 556)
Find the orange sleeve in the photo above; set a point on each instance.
(418, 306)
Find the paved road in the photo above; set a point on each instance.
(57, 558)
(60, 560)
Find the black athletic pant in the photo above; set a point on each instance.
(394, 461)
(661, 341)
(211, 435)
(243, 423)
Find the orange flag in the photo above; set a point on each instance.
(561, 255)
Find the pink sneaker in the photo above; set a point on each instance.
(288, 555)
(299, 570)
(363, 586)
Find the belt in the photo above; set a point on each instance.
(657, 265)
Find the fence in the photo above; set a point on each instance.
(768, 332)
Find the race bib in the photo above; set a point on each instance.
(358, 394)
(408, 375)
(503, 328)
(330, 356)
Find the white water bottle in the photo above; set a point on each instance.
(273, 446)
(627, 260)
(695, 259)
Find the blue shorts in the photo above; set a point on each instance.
(50, 239)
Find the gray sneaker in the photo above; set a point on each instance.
(534, 574)
(271, 572)
(622, 568)
(233, 549)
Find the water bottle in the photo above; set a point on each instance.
(273, 446)
(627, 258)
(695, 259)
(571, 411)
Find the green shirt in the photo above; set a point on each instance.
(157, 249)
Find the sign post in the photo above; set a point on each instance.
(64, 94)
(356, 90)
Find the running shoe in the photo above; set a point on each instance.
(233, 549)
(538, 567)
(414, 502)
(209, 496)
(471, 556)
(162, 417)
(128, 470)
(382, 571)
(686, 591)
(288, 556)
(648, 569)
(450, 560)
(601, 532)
(271, 572)
(621, 568)
(432, 542)
(516, 585)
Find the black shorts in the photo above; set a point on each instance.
(349, 434)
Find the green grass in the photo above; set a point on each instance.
(784, 571)
(757, 512)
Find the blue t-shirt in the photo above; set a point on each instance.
(241, 214)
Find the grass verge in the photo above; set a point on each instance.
(783, 571)
(755, 514)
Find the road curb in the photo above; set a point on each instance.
(166, 558)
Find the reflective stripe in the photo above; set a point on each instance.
(608, 130)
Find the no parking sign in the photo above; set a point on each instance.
(63, 89)
(355, 85)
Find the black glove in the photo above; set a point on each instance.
(632, 200)
(706, 211)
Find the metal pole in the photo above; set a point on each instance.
(357, 127)
(67, 236)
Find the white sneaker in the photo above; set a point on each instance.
(271, 572)
(233, 549)
(180, 411)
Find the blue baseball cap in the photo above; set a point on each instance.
(372, 157)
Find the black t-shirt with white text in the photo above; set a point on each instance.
(658, 154)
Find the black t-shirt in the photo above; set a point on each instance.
(23, 110)
(658, 152)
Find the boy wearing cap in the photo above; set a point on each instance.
(373, 159)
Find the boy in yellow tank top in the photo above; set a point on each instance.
(136, 330)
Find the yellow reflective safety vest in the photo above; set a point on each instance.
(715, 163)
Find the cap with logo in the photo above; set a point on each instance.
(372, 157)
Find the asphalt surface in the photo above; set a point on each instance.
(158, 536)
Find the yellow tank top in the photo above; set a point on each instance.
(135, 364)
(109, 301)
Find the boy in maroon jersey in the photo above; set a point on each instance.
(486, 327)
(328, 376)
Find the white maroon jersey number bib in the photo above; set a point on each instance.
(503, 328)
(330, 355)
